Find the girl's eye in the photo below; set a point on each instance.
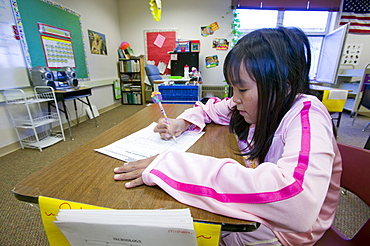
(242, 90)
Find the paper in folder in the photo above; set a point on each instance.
(127, 227)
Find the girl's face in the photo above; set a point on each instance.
(246, 97)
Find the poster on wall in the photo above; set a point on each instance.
(212, 61)
(98, 43)
(57, 45)
(58, 52)
(220, 44)
(205, 31)
(351, 54)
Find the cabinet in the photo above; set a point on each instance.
(131, 73)
(35, 125)
(180, 59)
(345, 81)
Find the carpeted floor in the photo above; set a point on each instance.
(20, 222)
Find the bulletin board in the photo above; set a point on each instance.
(30, 13)
(157, 45)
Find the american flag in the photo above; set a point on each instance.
(358, 13)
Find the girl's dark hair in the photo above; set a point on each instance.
(279, 60)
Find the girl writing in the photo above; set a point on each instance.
(291, 176)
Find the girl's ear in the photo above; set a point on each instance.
(289, 88)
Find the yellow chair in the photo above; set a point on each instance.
(334, 101)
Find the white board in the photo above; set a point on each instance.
(13, 70)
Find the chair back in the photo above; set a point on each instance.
(355, 178)
(365, 100)
(153, 73)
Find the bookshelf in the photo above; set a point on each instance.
(131, 73)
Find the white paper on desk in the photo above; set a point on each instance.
(127, 227)
(146, 143)
(337, 94)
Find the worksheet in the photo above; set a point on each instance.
(146, 143)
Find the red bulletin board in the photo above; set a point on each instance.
(158, 43)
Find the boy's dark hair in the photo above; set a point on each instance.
(279, 60)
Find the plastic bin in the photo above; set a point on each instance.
(181, 94)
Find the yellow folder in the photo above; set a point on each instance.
(207, 234)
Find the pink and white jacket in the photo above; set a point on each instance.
(294, 192)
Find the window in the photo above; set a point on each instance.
(314, 23)
(308, 21)
(311, 22)
(251, 19)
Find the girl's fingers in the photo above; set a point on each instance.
(134, 183)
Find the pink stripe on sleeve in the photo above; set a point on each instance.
(264, 197)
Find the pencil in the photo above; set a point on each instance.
(157, 98)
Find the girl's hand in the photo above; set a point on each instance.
(176, 128)
(133, 170)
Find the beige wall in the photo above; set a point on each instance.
(187, 17)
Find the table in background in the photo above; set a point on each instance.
(318, 87)
(74, 94)
(86, 176)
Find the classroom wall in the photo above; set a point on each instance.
(187, 17)
(98, 15)
(125, 20)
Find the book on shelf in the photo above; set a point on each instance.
(135, 88)
(137, 97)
(129, 66)
(120, 54)
(125, 77)
(131, 97)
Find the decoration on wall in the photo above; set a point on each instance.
(159, 40)
(183, 45)
(212, 61)
(58, 52)
(209, 30)
(16, 32)
(156, 9)
(195, 46)
(351, 54)
(98, 43)
(154, 52)
(357, 13)
(235, 25)
(57, 45)
(220, 44)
